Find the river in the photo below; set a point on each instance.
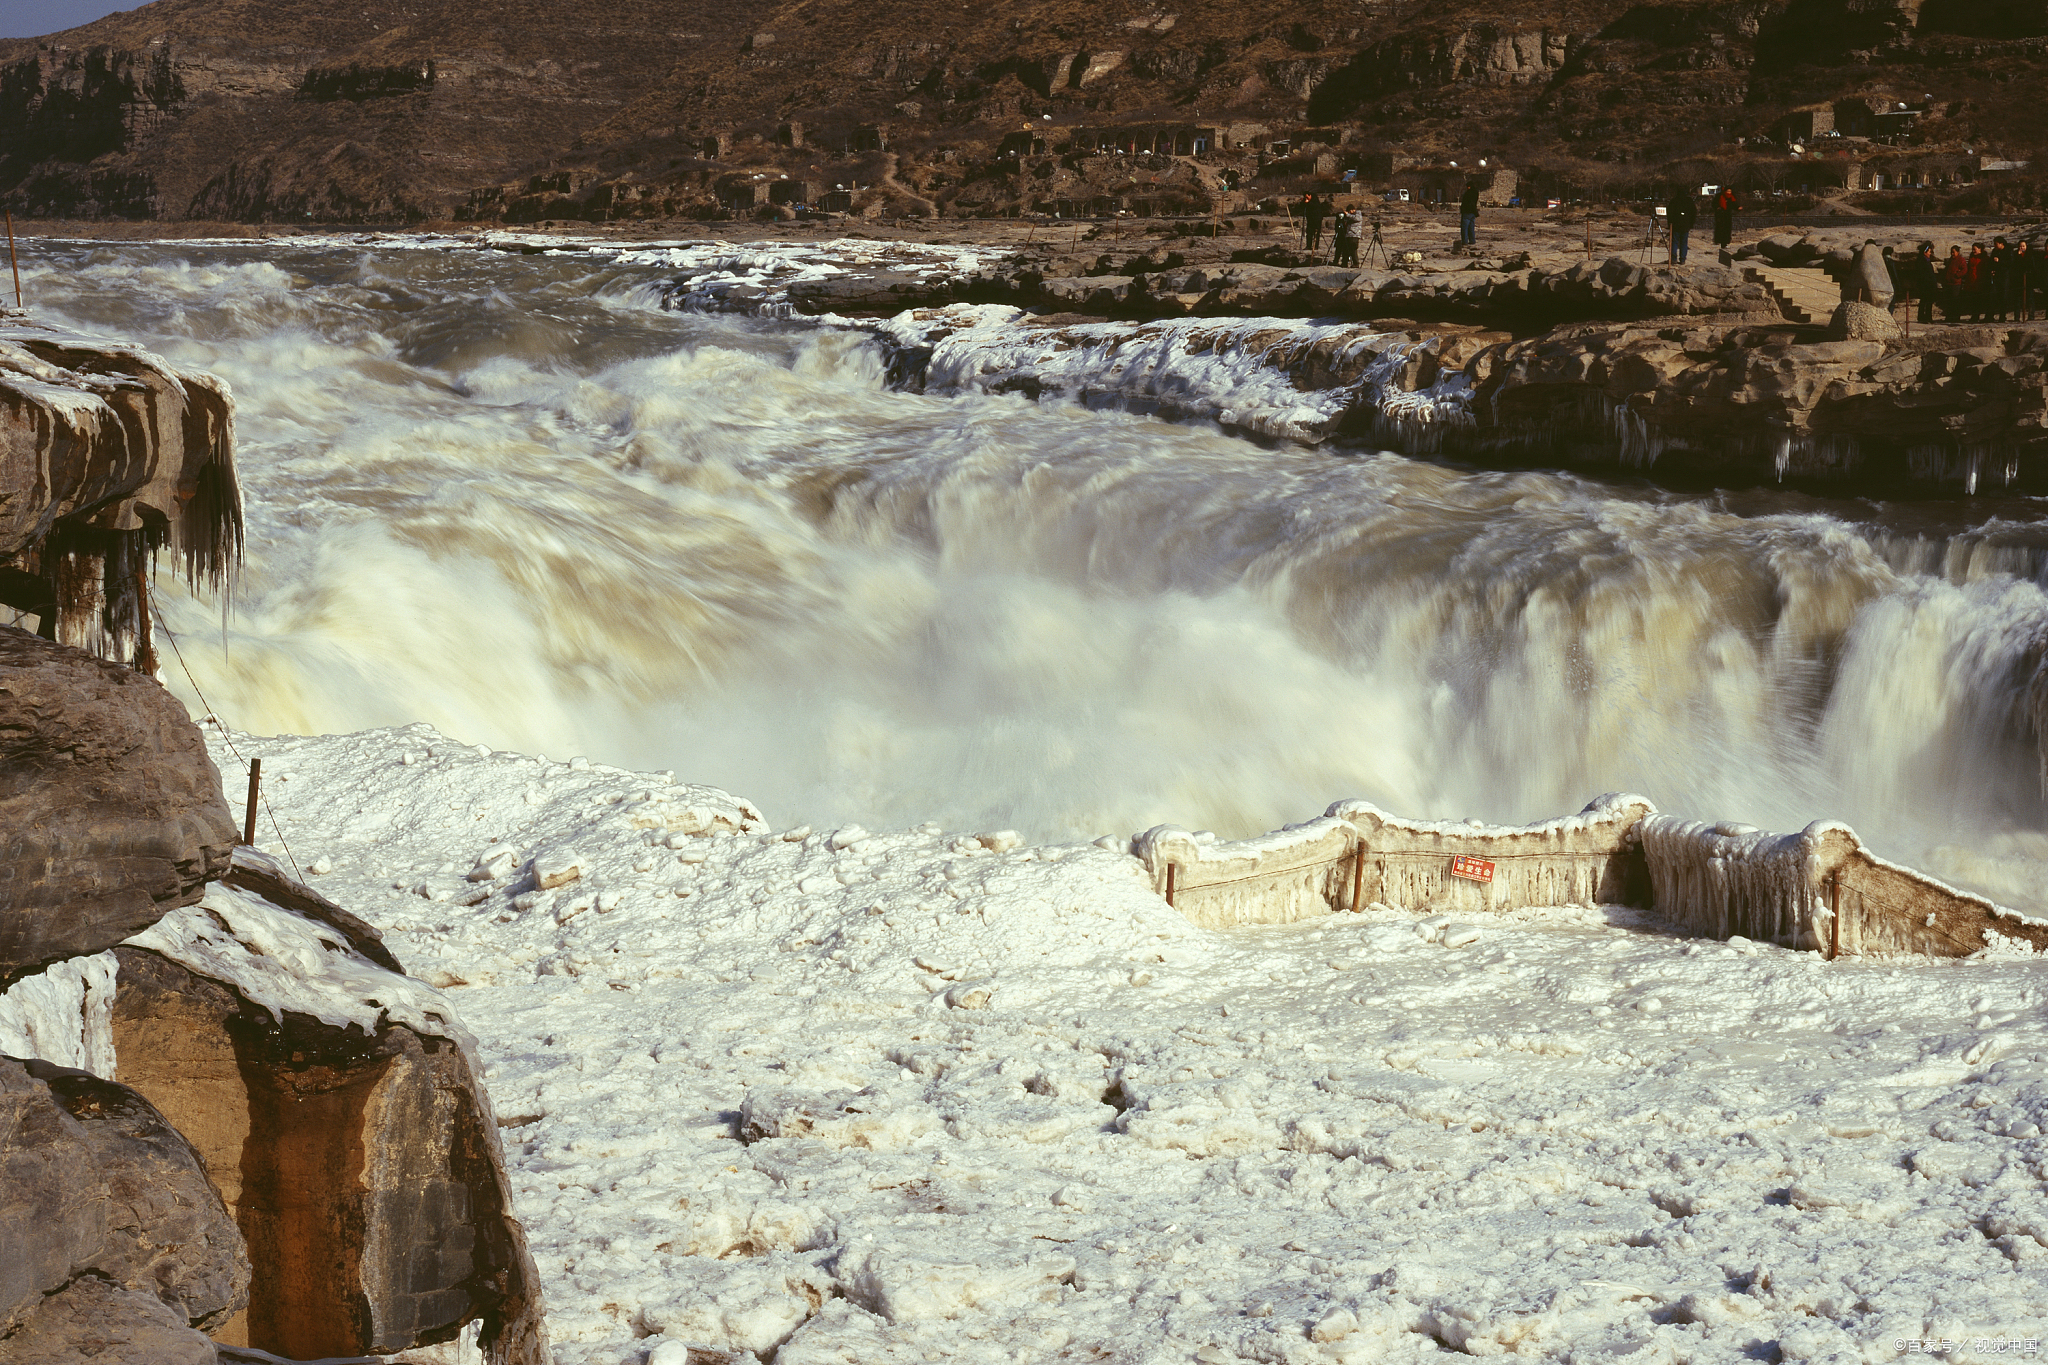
(512, 497)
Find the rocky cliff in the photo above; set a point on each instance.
(403, 109)
(226, 1115)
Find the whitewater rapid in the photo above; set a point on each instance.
(513, 497)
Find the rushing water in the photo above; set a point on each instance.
(512, 497)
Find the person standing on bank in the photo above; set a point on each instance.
(1997, 284)
(1955, 279)
(1468, 215)
(1312, 218)
(1724, 217)
(1347, 230)
(2021, 282)
(1976, 284)
(1923, 279)
(1681, 213)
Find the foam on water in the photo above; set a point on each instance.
(511, 497)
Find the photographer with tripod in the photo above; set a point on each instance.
(1350, 225)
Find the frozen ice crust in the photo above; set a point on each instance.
(900, 1096)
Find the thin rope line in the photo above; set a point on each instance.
(222, 726)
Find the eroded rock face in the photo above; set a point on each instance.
(1505, 293)
(93, 1319)
(101, 1195)
(111, 808)
(364, 1169)
(107, 454)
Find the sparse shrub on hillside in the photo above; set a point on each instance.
(2005, 194)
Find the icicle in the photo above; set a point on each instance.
(1727, 879)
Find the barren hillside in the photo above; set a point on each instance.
(411, 109)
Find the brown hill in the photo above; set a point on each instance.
(393, 110)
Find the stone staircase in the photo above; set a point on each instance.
(1804, 296)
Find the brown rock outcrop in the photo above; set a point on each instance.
(364, 1169)
(1123, 286)
(112, 809)
(1700, 397)
(107, 455)
(105, 1202)
(1954, 406)
(91, 1319)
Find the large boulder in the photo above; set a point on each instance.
(340, 1109)
(1867, 280)
(335, 1118)
(111, 808)
(101, 1199)
(91, 1319)
(1854, 321)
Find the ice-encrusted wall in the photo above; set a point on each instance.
(1818, 889)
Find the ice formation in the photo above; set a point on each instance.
(63, 1014)
(1280, 378)
(882, 1094)
(281, 961)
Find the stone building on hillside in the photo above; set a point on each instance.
(1874, 117)
(1157, 139)
(1867, 116)
(1923, 170)
(742, 192)
(1445, 184)
(1804, 125)
(1024, 142)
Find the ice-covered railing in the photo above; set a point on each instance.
(1357, 854)
(1819, 889)
(1592, 858)
(1275, 878)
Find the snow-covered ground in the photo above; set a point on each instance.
(922, 1094)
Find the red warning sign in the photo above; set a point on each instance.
(1472, 869)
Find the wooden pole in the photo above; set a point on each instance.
(1358, 879)
(12, 259)
(249, 818)
(1171, 868)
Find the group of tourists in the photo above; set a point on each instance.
(2005, 283)
(1345, 231)
(1682, 211)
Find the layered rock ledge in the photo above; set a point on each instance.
(1703, 373)
(1719, 398)
(108, 454)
